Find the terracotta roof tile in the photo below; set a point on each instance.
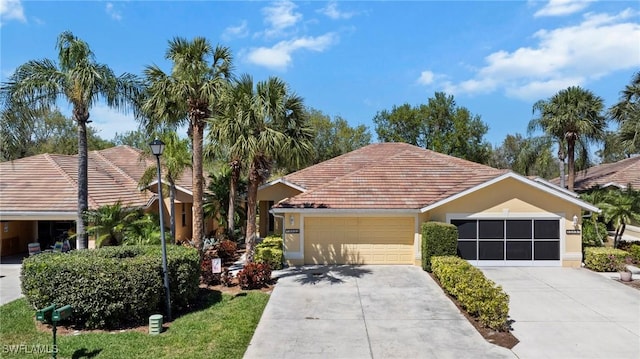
(48, 182)
(386, 176)
(618, 174)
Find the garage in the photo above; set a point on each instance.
(526, 241)
(359, 240)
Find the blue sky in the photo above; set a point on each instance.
(355, 58)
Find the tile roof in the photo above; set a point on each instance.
(618, 174)
(48, 182)
(385, 176)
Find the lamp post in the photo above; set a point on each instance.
(157, 147)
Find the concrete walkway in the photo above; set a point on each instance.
(570, 313)
(364, 312)
(10, 279)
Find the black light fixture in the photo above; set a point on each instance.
(157, 147)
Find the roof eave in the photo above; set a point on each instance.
(284, 182)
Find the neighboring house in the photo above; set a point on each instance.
(619, 174)
(367, 207)
(38, 194)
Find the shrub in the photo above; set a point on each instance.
(227, 250)
(479, 296)
(111, 287)
(270, 251)
(634, 252)
(591, 237)
(438, 239)
(601, 259)
(254, 276)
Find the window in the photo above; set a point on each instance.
(184, 215)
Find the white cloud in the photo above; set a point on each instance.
(108, 121)
(573, 55)
(113, 12)
(331, 10)
(426, 78)
(11, 10)
(562, 7)
(239, 31)
(280, 16)
(279, 56)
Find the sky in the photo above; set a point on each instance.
(355, 58)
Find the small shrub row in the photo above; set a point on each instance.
(111, 287)
(254, 276)
(438, 239)
(479, 296)
(634, 252)
(604, 259)
(270, 251)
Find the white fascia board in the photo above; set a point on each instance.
(38, 216)
(284, 182)
(342, 211)
(554, 186)
(179, 188)
(542, 187)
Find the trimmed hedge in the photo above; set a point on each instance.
(270, 251)
(604, 259)
(589, 236)
(479, 296)
(634, 252)
(111, 287)
(438, 239)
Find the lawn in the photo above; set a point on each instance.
(222, 328)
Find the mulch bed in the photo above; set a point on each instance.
(633, 284)
(503, 339)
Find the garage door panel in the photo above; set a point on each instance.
(330, 240)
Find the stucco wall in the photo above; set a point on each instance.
(16, 235)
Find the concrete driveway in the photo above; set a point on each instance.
(570, 313)
(10, 279)
(364, 312)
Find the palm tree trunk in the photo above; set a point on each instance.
(615, 237)
(571, 163)
(252, 209)
(172, 220)
(83, 179)
(198, 184)
(233, 187)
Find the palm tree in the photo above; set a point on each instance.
(627, 114)
(574, 118)
(272, 128)
(176, 158)
(621, 207)
(109, 223)
(80, 80)
(187, 95)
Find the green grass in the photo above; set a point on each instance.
(221, 329)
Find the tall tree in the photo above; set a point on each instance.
(195, 85)
(620, 207)
(627, 113)
(176, 158)
(334, 137)
(272, 130)
(440, 125)
(80, 80)
(527, 156)
(574, 118)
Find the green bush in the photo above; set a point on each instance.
(604, 259)
(111, 287)
(589, 236)
(270, 251)
(438, 239)
(479, 296)
(634, 252)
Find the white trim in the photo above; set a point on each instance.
(341, 211)
(503, 215)
(520, 178)
(505, 263)
(182, 189)
(284, 182)
(417, 237)
(38, 216)
(554, 186)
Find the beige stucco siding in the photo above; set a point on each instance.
(511, 198)
(359, 240)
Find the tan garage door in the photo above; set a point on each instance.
(358, 240)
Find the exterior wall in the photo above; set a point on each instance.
(511, 199)
(16, 235)
(275, 193)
